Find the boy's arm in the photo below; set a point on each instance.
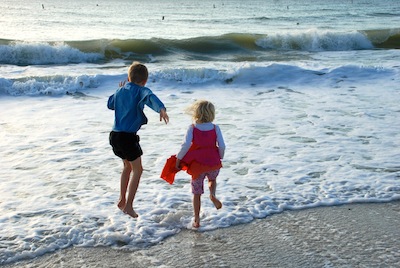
(156, 104)
(111, 99)
(110, 103)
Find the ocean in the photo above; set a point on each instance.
(307, 96)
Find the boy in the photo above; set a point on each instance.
(128, 103)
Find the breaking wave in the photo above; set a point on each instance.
(273, 76)
(206, 47)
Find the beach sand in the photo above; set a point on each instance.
(356, 235)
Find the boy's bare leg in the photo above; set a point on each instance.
(126, 172)
(212, 185)
(196, 208)
(137, 171)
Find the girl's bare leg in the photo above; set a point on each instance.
(196, 208)
(133, 185)
(125, 175)
(212, 185)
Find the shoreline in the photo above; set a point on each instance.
(352, 235)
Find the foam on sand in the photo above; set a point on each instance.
(357, 235)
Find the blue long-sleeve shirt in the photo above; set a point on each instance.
(128, 103)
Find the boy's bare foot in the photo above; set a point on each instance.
(216, 202)
(130, 212)
(121, 204)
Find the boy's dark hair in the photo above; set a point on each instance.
(137, 73)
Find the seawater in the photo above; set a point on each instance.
(306, 93)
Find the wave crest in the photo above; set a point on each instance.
(51, 86)
(24, 53)
(317, 41)
(203, 48)
(273, 75)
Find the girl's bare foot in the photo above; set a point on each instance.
(216, 202)
(196, 224)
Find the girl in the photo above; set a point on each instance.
(201, 154)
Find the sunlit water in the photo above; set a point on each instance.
(306, 96)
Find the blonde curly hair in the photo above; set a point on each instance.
(202, 111)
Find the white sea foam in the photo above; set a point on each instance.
(316, 40)
(31, 53)
(273, 74)
(288, 147)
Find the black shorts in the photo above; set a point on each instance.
(125, 145)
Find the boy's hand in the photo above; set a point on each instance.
(122, 83)
(164, 115)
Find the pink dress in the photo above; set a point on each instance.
(203, 155)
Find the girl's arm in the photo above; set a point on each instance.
(186, 143)
(220, 142)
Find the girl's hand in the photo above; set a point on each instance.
(177, 165)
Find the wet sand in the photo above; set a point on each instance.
(357, 235)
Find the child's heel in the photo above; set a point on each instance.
(216, 202)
